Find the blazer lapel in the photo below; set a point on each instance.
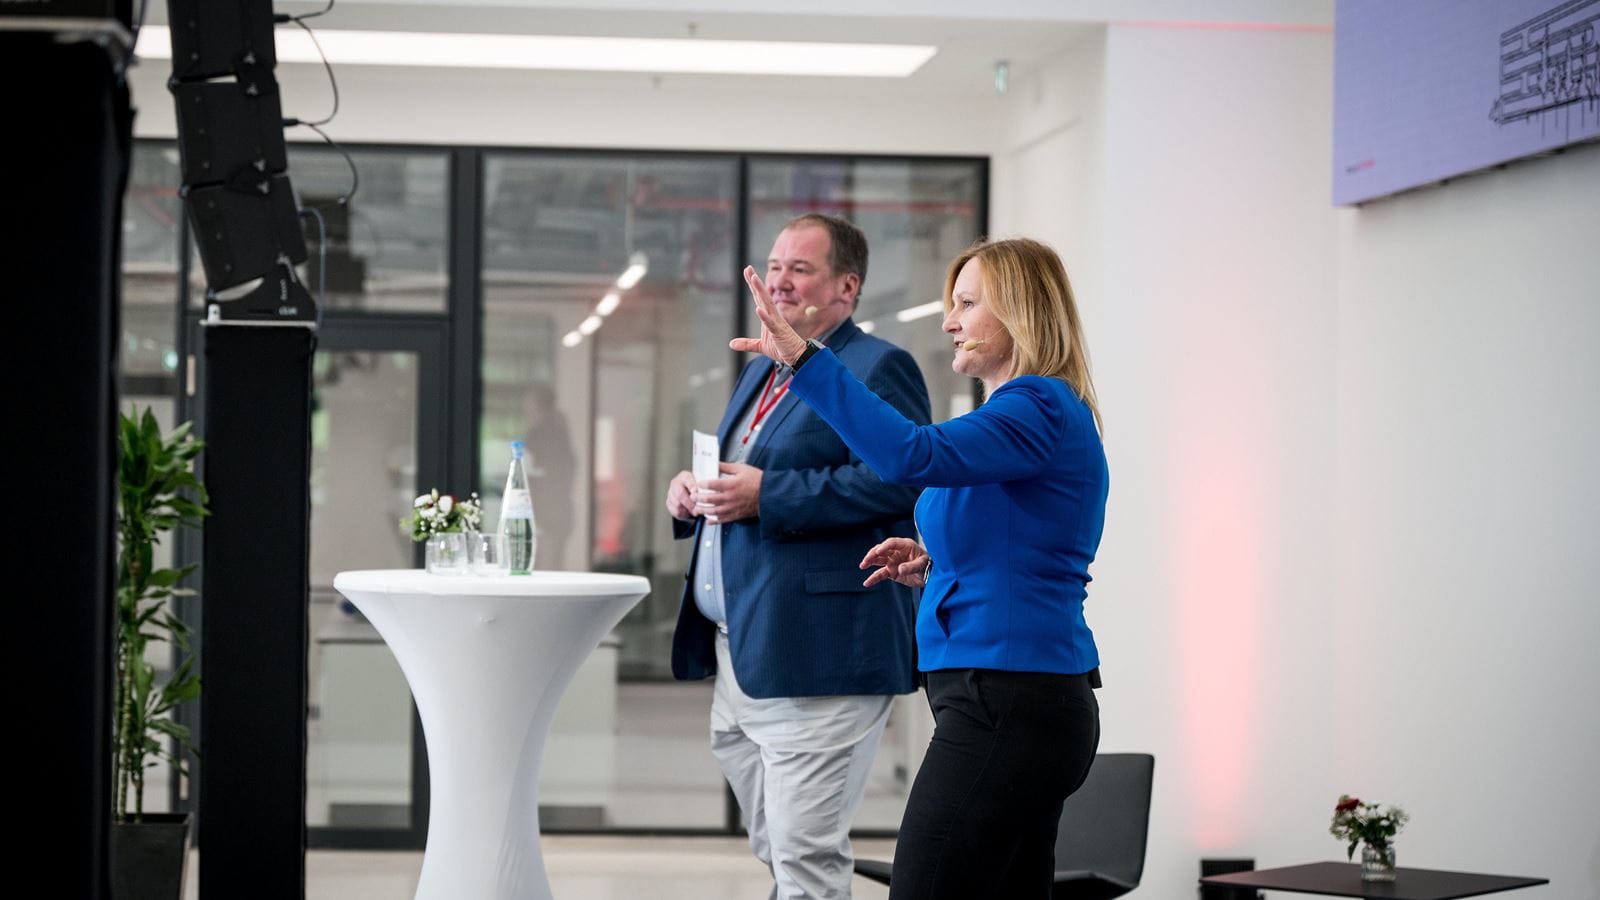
(744, 390)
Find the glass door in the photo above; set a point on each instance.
(375, 445)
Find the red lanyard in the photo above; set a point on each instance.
(765, 404)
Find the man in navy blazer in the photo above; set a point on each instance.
(806, 660)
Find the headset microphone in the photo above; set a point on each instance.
(971, 345)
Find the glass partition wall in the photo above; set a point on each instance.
(591, 368)
(387, 246)
(580, 302)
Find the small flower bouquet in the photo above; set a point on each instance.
(1364, 823)
(435, 513)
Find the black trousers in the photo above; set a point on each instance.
(1008, 748)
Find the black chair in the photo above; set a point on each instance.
(1100, 843)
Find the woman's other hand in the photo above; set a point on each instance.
(778, 340)
(900, 559)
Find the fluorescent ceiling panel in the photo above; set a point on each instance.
(592, 54)
(912, 313)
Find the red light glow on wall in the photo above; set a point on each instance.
(1218, 580)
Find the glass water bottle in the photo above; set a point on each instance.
(516, 516)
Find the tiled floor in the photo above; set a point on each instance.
(580, 868)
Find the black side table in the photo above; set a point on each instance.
(1344, 880)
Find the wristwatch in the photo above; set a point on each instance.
(812, 346)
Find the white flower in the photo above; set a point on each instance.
(445, 503)
(422, 501)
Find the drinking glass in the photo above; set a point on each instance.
(488, 552)
(447, 554)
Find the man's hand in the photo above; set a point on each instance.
(901, 559)
(734, 496)
(680, 496)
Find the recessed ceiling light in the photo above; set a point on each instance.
(577, 53)
(911, 313)
(638, 264)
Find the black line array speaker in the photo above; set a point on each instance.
(224, 133)
(233, 160)
(245, 232)
(214, 38)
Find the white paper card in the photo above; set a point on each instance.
(705, 456)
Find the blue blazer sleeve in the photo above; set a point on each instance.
(1013, 435)
(797, 501)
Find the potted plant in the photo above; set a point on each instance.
(1373, 829)
(158, 493)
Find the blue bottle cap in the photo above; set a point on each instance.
(516, 449)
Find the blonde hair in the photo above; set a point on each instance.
(1025, 286)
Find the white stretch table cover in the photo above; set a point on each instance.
(488, 660)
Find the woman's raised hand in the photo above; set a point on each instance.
(778, 340)
(898, 558)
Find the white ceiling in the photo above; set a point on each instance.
(1307, 12)
(971, 37)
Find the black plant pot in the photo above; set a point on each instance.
(148, 857)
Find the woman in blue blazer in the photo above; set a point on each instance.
(1010, 519)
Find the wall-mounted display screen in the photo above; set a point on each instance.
(1429, 89)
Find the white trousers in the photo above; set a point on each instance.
(798, 766)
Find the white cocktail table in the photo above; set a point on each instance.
(487, 660)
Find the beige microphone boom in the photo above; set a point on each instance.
(971, 345)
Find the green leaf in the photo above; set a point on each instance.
(164, 577)
(179, 691)
(169, 727)
(143, 677)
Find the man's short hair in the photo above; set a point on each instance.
(847, 245)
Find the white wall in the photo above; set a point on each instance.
(1468, 580)
(1317, 422)
(1213, 338)
(1047, 175)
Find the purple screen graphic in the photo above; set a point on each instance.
(1429, 89)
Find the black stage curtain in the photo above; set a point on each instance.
(64, 157)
